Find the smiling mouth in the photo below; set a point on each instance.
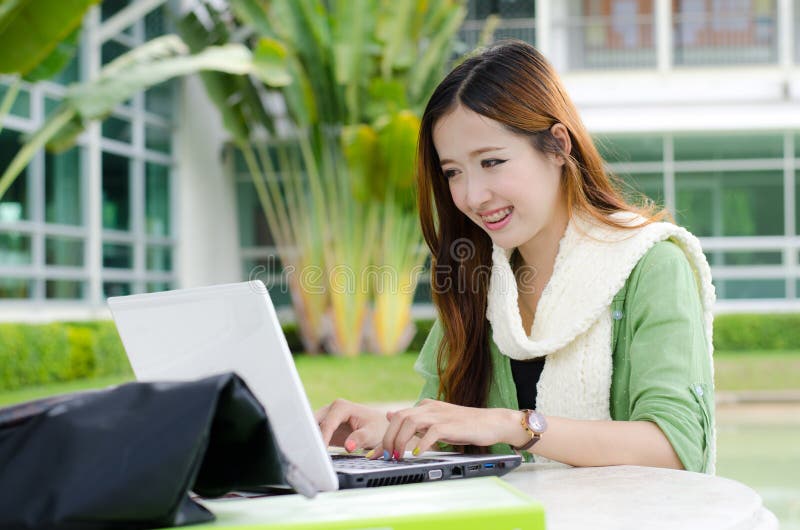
(497, 216)
(498, 219)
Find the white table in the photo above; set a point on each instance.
(632, 497)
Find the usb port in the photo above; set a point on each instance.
(488, 465)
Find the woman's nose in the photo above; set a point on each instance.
(478, 194)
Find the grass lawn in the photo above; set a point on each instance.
(757, 370)
(379, 379)
(365, 379)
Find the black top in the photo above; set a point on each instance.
(526, 375)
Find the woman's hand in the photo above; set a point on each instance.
(452, 424)
(351, 425)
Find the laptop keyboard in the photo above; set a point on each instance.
(359, 462)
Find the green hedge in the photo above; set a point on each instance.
(743, 332)
(732, 332)
(35, 354)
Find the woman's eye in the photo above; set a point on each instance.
(449, 173)
(491, 162)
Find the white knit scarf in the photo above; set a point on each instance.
(573, 324)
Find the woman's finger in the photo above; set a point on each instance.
(375, 453)
(430, 437)
(412, 425)
(395, 423)
(339, 413)
(362, 438)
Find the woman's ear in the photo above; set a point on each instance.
(561, 134)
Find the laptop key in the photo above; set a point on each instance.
(359, 462)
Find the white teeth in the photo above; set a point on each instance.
(497, 216)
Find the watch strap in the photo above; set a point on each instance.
(535, 436)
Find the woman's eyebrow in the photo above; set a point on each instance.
(476, 152)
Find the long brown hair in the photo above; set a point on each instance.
(513, 84)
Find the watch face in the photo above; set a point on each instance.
(536, 422)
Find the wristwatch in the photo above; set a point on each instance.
(534, 424)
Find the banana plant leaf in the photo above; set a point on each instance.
(355, 69)
(31, 33)
(150, 64)
(279, 170)
(402, 255)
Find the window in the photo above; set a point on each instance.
(750, 289)
(157, 139)
(64, 289)
(118, 129)
(744, 258)
(643, 188)
(254, 231)
(45, 238)
(517, 21)
(719, 32)
(601, 34)
(157, 200)
(63, 187)
(64, 251)
(116, 192)
(722, 185)
(625, 148)
(117, 256)
(731, 203)
(15, 249)
(15, 204)
(260, 258)
(159, 258)
(730, 146)
(15, 288)
(22, 103)
(797, 202)
(138, 237)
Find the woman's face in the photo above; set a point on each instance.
(497, 178)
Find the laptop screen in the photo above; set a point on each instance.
(193, 333)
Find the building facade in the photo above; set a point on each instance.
(694, 102)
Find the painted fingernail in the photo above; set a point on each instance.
(386, 455)
(415, 452)
(350, 445)
(370, 454)
(396, 455)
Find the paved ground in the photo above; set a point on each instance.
(787, 413)
(761, 407)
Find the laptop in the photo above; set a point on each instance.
(188, 334)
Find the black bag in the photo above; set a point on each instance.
(126, 457)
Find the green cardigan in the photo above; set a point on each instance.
(661, 369)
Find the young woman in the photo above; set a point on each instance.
(572, 325)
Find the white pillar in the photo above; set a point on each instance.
(208, 243)
(556, 20)
(786, 31)
(91, 67)
(663, 34)
(543, 25)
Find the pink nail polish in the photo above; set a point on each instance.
(350, 445)
(396, 455)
